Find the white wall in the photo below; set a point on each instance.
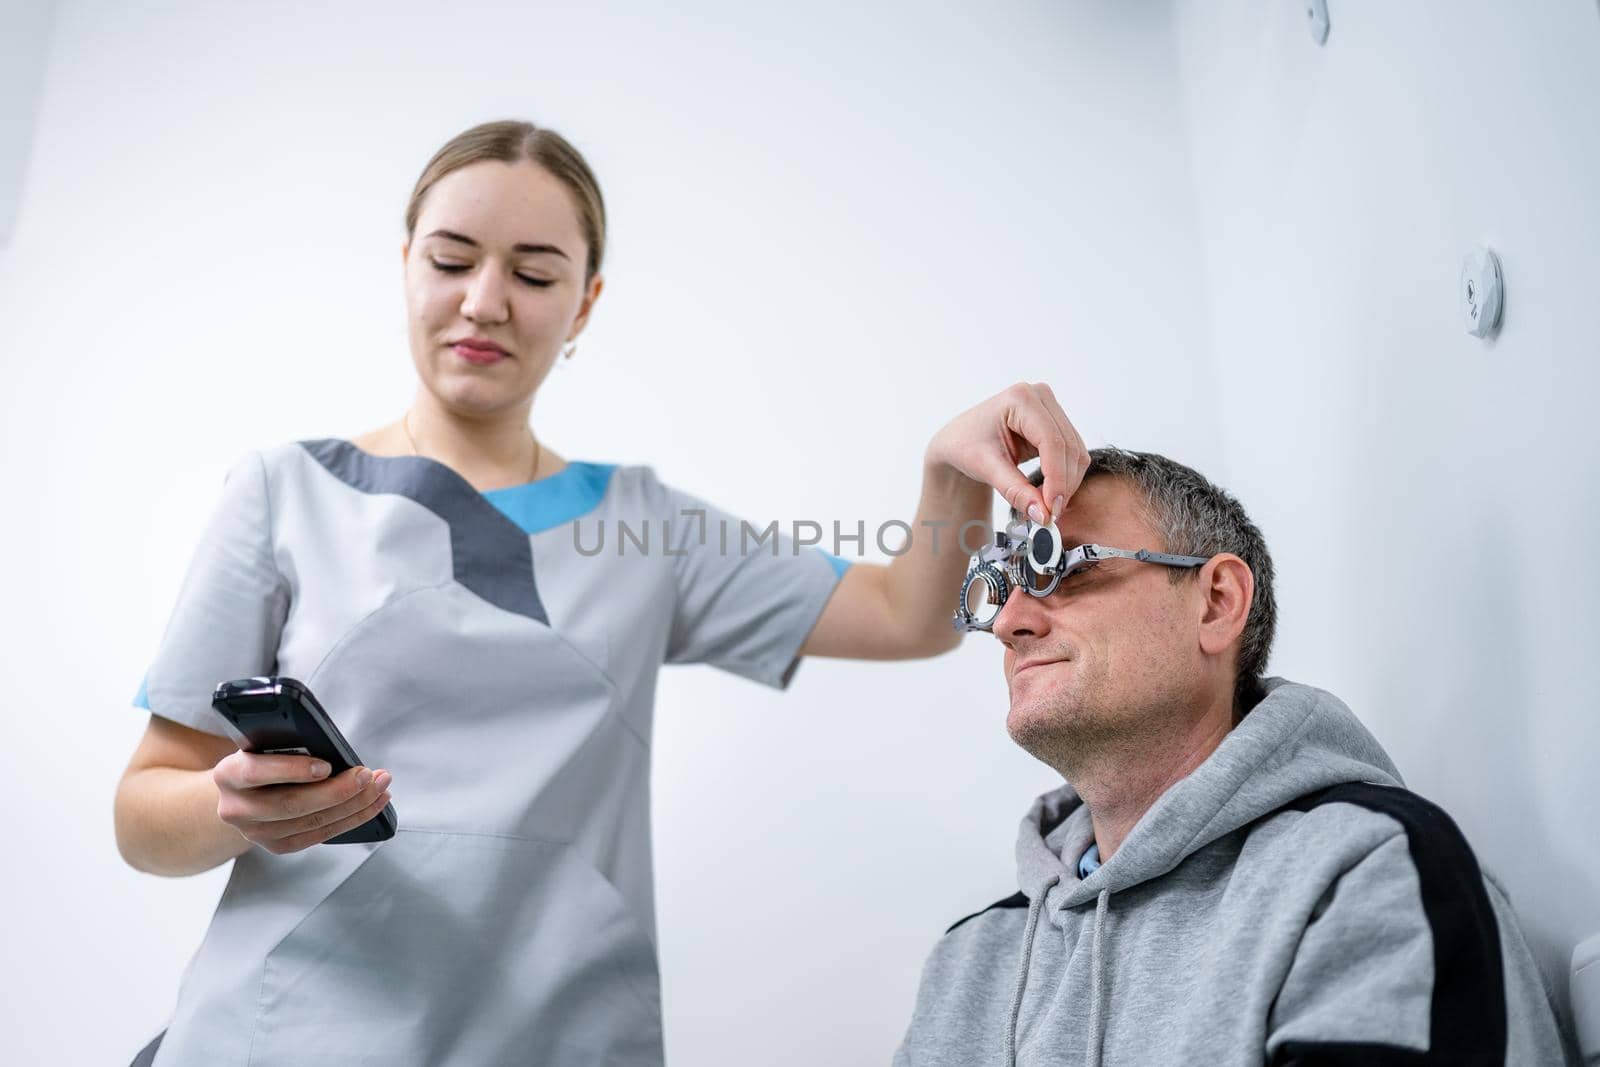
(834, 227)
(1431, 499)
(24, 46)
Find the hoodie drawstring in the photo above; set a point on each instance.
(1097, 1004)
(1035, 906)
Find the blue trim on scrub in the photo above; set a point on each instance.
(839, 563)
(141, 699)
(560, 498)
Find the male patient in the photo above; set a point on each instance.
(1234, 873)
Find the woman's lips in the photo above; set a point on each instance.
(477, 356)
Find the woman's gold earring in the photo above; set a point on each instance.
(569, 350)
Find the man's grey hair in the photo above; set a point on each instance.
(1196, 518)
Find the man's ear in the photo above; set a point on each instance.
(1227, 588)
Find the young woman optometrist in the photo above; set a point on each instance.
(424, 580)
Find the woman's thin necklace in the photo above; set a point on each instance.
(538, 450)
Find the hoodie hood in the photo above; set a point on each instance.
(1296, 740)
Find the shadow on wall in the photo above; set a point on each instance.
(1474, 703)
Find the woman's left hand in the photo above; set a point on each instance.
(902, 610)
(987, 443)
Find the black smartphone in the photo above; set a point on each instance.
(279, 715)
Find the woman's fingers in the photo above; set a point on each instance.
(1027, 416)
(277, 802)
(333, 828)
(986, 442)
(1019, 493)
(287, 815)
(1072, 460)
(290, 835)
(348, 803)
(251, 770)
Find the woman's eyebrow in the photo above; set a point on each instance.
(521, 249)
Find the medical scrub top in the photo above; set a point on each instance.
(497, 652)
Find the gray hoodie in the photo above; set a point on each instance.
(1289, 902)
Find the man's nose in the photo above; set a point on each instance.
(1021, 616)
(485, 300)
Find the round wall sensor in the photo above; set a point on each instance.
(1481, 291)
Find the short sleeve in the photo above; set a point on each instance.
(230, 610)
(747, 596)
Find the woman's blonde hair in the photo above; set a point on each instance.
(510, 141)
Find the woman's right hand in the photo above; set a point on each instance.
(284, 804)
